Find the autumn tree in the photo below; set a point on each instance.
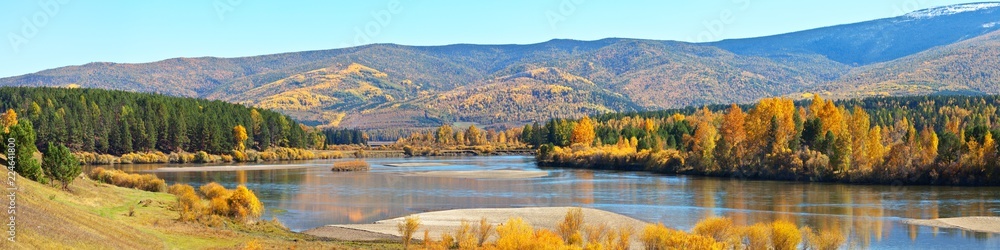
(771, 112)
(474, 135)
(8, 119)
(732, 141)
(240, 137)
(705, 137)
(858, 124)
(443, 134)
(583, 132)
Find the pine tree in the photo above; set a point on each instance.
(60, 164)
(23, 136)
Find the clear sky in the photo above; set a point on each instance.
(43, 34)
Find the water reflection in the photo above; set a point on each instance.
(869, 215)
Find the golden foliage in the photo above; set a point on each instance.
(407, 228)
(352, 165)
(718, 228)
(785, 235)
(583, 132)
(147, 182)
(240, 137)
(515, 234)
(8, 119)
(825, 240)
(569, 228)
(244, 205)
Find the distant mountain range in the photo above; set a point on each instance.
(952, 49)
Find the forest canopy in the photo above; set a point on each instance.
(920, 140)
(119, 122)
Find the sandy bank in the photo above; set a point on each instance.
(448, 221)
(986, 224)
(228, 168)
(417, 164)
(483, 174)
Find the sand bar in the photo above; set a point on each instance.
(448, 221)
(417, 164)
(986, 224)
(229, 168)
(483, 174)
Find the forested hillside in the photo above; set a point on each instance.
(950, 49)
(915, 140)
(119, 122)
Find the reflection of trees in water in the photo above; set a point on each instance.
(858, 212)
(583, 187)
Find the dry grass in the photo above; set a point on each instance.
(96, 216)
(353, 165)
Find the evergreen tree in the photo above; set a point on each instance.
(22, 135)
(60, 164)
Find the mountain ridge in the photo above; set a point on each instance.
(419, 86)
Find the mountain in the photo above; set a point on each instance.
(968, 67)
(878, 40)
(950, 49)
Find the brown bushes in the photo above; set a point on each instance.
(147, 182)
(353, 165)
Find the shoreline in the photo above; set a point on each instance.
(982, 224)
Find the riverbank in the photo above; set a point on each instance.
(985, 224)
(449, 221)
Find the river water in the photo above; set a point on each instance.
(314, 196)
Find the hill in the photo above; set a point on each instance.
(96, 216)
(968, 67)
(387, 85)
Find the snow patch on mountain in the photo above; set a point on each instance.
(951, 10)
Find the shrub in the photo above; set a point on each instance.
(189, 205)
(147, 157)
(147, 182)
(569, 228)
(213, 190)
(226, 158)
(59, 164)
(202, 157)
(465, 236)
(484, 231)
(596, 235)
(406, 229)
(659, 237)
(515, 234)
(785, 235)
(89, 158)
(718, 228)
(353, 165)
(757, 236)
(825, 240)
(244, 205)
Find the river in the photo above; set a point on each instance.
(314, 196)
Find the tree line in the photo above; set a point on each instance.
(918, 140)
(119, 122)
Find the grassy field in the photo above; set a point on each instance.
(93, 215)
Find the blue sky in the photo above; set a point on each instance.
(43, 34)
